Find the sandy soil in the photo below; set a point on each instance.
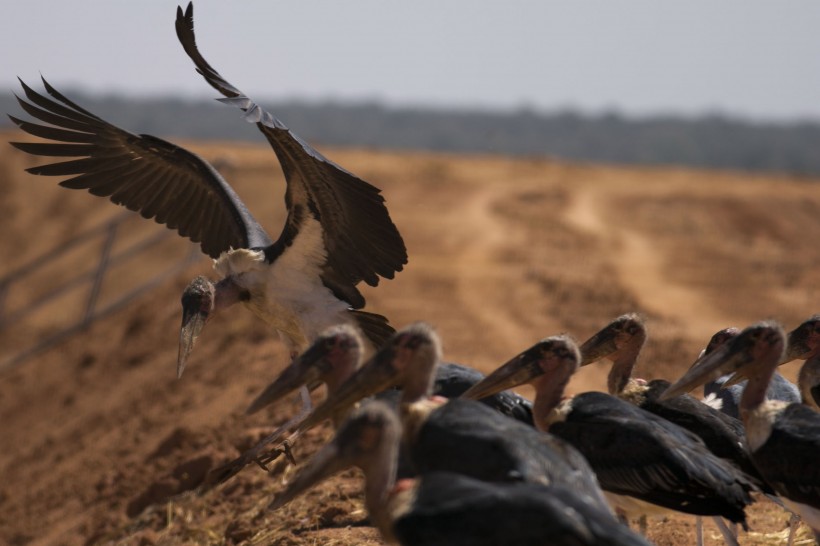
(103, 445)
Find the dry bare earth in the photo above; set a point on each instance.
(103, 445)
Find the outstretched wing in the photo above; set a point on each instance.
(361, 242)
(143, 173)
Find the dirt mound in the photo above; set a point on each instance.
(104, 445)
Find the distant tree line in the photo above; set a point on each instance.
(713, 141)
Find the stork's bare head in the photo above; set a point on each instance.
(331, 359)
(369, 439)
(804, 341)
(758, 347)
(555, 356)
(197, 305)
(626, 333)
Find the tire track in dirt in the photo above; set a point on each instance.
(640, 264)
(479, 265)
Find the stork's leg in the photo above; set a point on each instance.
(728, 537)
(794, 519)
(255, 454)
(304, 411)
(307, 402)
(699, 530)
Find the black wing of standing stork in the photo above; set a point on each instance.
(359, 239)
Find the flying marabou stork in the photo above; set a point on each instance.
(783, 438)
(441, 508)
(338, 231)
(644, 460)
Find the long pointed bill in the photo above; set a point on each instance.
(711, 366)
(735, 379)
(518, 371)
(376, 375)
(598, 346)
(323, 465)
(192, 324)
(197, 304)
(790, 354)
(369, 439)
(306, 369)
(797, 348)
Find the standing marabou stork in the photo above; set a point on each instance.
(442, 508)
(726, 398)
(337, 233)
(784, 439)
(644, 460)
(621, 341)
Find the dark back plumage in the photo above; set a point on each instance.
(455, 510)
(723, 435)
(789, 458)
(470, 438)
(453, 380)
(642, 455)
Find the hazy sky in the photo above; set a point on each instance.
(758, 59)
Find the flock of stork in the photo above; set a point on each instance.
(450, 456)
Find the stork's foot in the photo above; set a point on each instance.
(271, 455)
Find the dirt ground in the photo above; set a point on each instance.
(103, 445)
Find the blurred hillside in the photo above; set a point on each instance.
(713, 141)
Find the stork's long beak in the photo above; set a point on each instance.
(519, 370)
(734, 379)
(197, 304)
(375, 375)
(598, 346)
(328, 461)
(723, 360)
(305, 369)
(192, 324)
(369, 439)
(797, 348)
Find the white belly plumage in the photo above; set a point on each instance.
(288, 294)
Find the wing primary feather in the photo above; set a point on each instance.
(52, 133)
(140, 172)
